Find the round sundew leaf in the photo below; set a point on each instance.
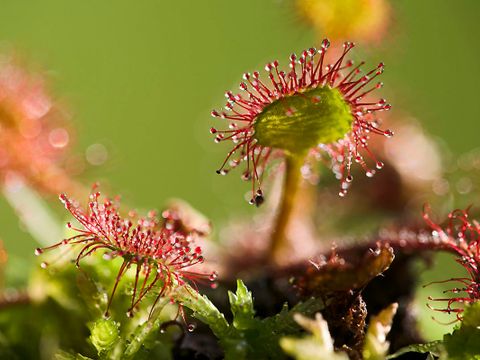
(303, 120)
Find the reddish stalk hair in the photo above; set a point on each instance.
(162, 253)
(462, 236)
(306, 72)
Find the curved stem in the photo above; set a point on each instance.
(287, 202)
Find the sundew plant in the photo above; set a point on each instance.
(346, 204)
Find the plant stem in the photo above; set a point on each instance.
(287, 203)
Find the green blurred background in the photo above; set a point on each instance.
(141, 78)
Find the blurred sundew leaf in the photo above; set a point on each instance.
(376, 344)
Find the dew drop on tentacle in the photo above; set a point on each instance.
(44, 265)
(213, 276)
(259, 199)
(191, 327)
(246, 176)
(379, 165)
(388, 133)
(38, 251)
(370, 173)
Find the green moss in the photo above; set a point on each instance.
(105, 334)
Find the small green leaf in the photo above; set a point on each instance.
(241, 304)
(376, 344)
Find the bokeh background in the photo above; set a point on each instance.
(140, 78)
